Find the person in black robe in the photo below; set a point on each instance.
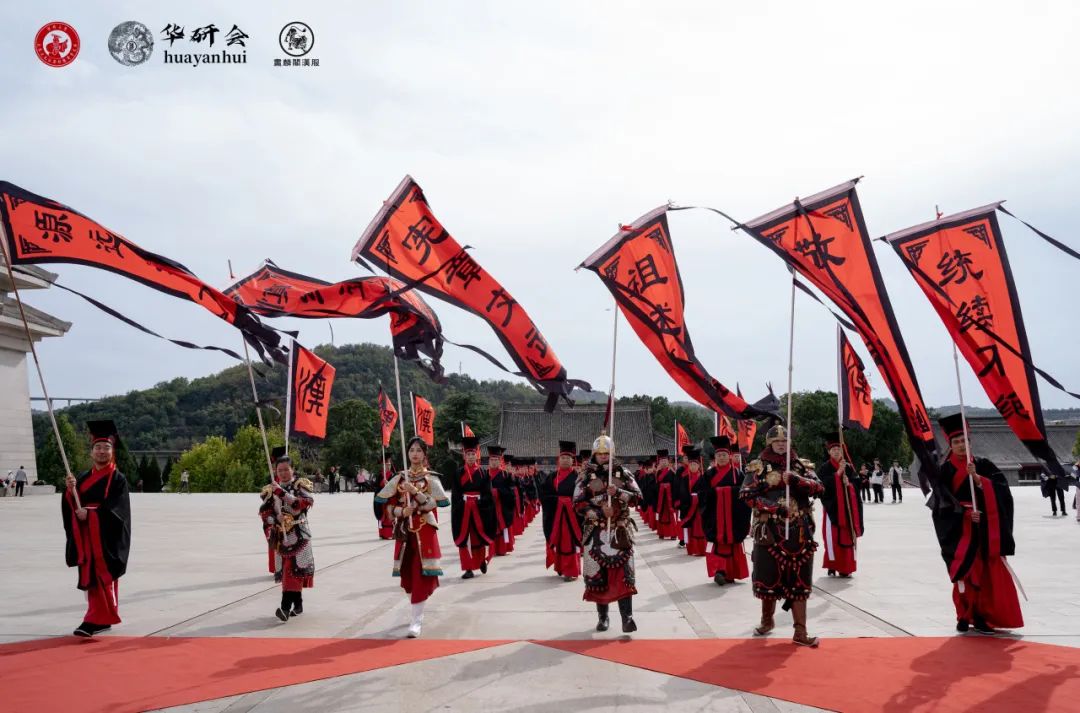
(976, 535)
(725, 518)
(562, 526)
(96, 511)
(502, 490)
(843, 520)
(472, 512)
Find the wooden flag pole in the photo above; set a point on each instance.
(401, 419)
(255, 395)
(840, 424)
(611, 395)
(964, 423)
(790, 373)
(37, 365)
(289, 396)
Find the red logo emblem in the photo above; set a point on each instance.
(57, 44)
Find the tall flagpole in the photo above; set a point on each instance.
(840, 422)
(963, 421)
(401, 416)
(255, 394)
(790, 372)
(289, 401)
(611, 424)
(37, 364)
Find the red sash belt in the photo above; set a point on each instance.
(663, 503)
(692, 511)
(500, 522)
(565, 531)
(724, 527)
(993, 526)
(470, 518)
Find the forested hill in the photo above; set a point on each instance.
(175, 414)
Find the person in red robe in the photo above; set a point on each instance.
(647, 506)
(842, 522)
(503, 502)
(411, 497)
(976, 535)
(667, 518)
(562, 529)
(96, 510)
(725, 517)
(693, 534)
(386, 523)
(472, 510)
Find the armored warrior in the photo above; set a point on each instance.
(284, 511)
(783, 532)
(604, 498)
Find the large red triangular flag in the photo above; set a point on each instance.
(681, 439)
(309, 397)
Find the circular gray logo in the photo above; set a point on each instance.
(296, 39)
(131, 43)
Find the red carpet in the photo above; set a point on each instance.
(135, 674)
(942, 675)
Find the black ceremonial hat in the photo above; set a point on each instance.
(567, 447)
(277, 452)
(496, 450)
(662, 453)
(721, 443)
(469, 443)
(952, 425)
(104, 430)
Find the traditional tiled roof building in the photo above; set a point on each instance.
(991, 438)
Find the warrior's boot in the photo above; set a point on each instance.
(297, 604)
(286, 605)
(626, 609)
(602, 617)
(417, 620)
(768, 609)
(798, 614)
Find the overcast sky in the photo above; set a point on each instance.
(535, 129)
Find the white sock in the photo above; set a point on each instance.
(418, 611)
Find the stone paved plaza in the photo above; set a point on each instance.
(198, 569)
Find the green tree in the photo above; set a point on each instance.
(476, 410)
(815, 416)
(207, 463)
(152, 478)
(352, 436)
(50, 465)
(697, 421)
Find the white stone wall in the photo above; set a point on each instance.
(16, 429)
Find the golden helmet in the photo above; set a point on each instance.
(603, 444)
(776, 433)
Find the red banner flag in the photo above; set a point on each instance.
(414, 327)
(681, 439)
(408, 242)
(309, 397)
(467, 432)
(424, 415)
(824, 239)
(387, 417)
(747, 429)
(856, 403)
(638, 266)
(40, 230)
(724, 428)
(962, 267)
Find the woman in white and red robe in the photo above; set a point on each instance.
(472, 515)
(411, 497)
(667, 518)
(975, 537)
(725, 517)
(843, 519)
(690, 505)
(97, 522)
(562, 530)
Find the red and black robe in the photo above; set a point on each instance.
(472, 516)
(690, 512)
(562, 528)
(667, 518)
(386, 523)
(502, 490)
(974, 552)
(99, 545)
(726, 521)
(842, 524)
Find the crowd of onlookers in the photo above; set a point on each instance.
(872, 480)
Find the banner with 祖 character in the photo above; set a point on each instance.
(407, 241)
(824, 239)
(41, 230)
(638, 266)
(424, 416)
(309, 396)
(387, 417)
(856, 403)
(415, 330)
(961, 265)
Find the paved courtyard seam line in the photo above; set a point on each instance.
(275, 587)
(873, 619)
